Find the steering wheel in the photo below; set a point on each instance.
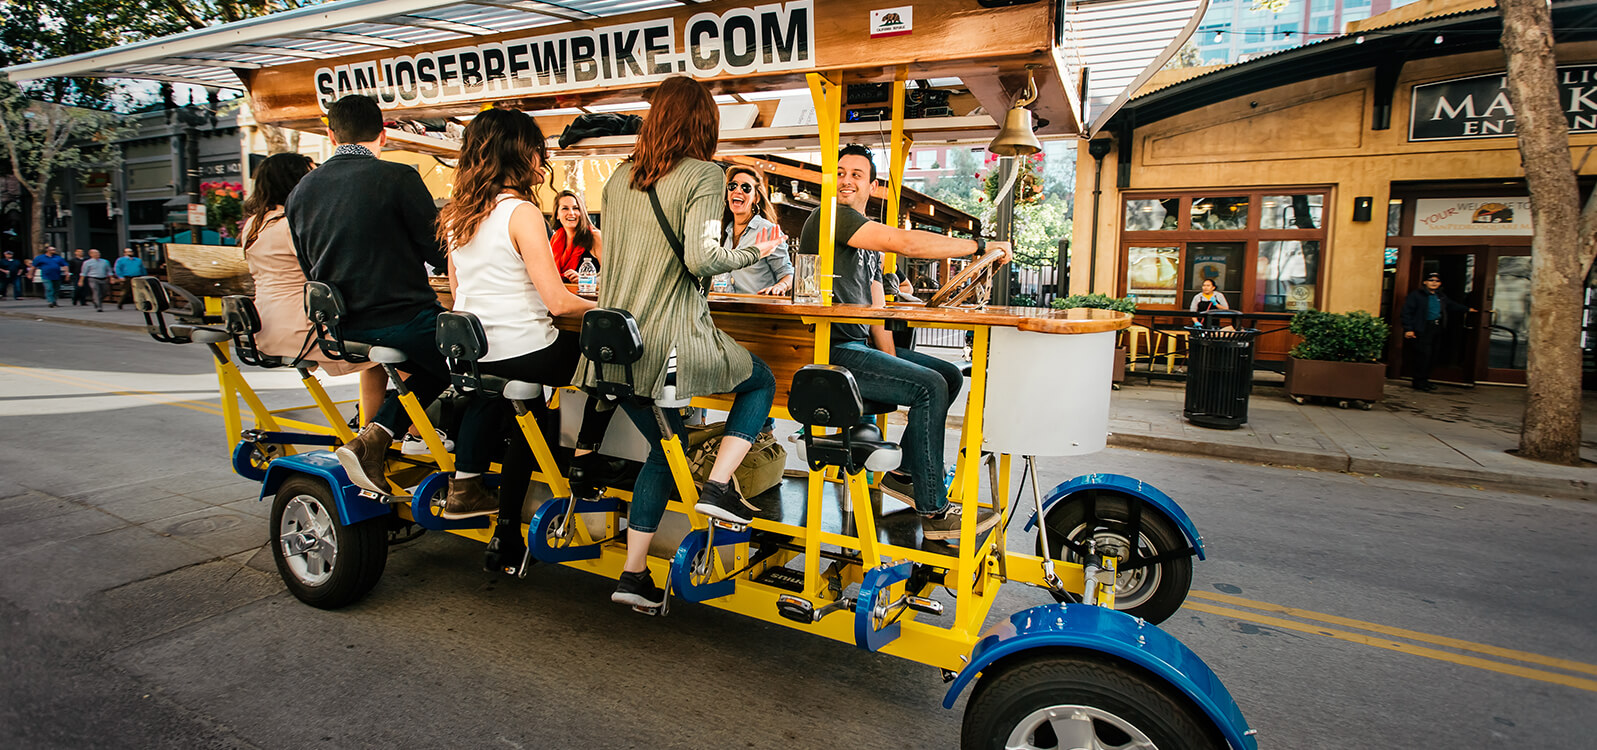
(973, 283)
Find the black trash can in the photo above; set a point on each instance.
(1219, 376)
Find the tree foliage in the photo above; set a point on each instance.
(43, 139)
(1043, 202)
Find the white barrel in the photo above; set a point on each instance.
(1048, 393)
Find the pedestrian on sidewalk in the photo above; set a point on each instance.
(1424, 317)
(96, 276)
(127, 268)
(75, 277)
(10, 274)
(52, 270)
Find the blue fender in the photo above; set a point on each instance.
(1126, 485)
(421, 504)
(1083, 627)
(544, 519)
(877, 582)
(242, 465)
(352, 506)
(682, 565)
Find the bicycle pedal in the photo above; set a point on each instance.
(797, 609)
(728, 525)
(650, 611)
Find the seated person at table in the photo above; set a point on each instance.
(748, 214)
(926, 384)
(502, 270)
(1205, 300)
(660, 287)
(280, 284)
(367, 227)
(574, 237)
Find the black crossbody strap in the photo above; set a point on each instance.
(675, 240)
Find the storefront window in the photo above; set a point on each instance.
(1220, 262)
(1152, 276)
(1394, 217)
(1152, 214)
(1220, 213)
(1285, 276)
(1291, 211)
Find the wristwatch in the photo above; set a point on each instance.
(981, 244)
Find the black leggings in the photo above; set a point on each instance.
(488, 421)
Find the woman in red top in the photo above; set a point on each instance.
(575, 236)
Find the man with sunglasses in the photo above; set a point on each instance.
(926, 384)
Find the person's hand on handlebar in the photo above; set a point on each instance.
(1009, 252)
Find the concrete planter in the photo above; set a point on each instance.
(1350, 381)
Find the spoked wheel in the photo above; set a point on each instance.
(323, 562)
(1081, 702)
(1153, 592)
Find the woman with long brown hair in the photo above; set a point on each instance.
(644, 275)
(749, 213)
(502, 271)
(575, 235)
(280, 282)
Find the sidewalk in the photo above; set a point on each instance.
(1456, 436)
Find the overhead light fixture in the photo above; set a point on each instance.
(1016, 137)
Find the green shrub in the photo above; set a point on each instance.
(1339, 337)
(1022, 300)
(1100, 301)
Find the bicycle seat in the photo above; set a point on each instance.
(242, 321)
(827, 396)
(463, 342)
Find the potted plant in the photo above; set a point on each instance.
(1102, 302)
(1337, 358)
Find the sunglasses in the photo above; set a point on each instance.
(746, 187)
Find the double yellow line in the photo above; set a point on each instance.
(109, 389)
(1315, 623)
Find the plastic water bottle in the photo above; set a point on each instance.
(587, 276)
(721, 284)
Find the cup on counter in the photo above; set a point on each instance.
(806, 281)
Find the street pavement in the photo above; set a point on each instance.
(1342, 609)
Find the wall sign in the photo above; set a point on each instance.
(1478, 106)
(738, 41)
(892, 21)
(1451, 217)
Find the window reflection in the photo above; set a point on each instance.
(1394, 217)
(1220, 213)
(1291, 211)
(1152, 214)
(1220, 262)
(1152, 274)
(1285, 275)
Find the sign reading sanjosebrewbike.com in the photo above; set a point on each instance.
(739, 41)
(1478, 106)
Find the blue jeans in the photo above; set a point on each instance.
(429, 375)
(927, 385)
(751, 404)
(51, 290)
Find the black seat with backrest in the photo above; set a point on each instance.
(325, 308)
(610, 340)
(243, 321)
(827, 396)
(463, 343)
(153, 297)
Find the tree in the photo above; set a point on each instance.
(1564, 236)
(42, 139)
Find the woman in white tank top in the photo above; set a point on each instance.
(502, 271)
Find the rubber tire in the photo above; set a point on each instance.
(362, 549)
(1175, 577)
(1002, 698)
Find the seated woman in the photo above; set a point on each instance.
(749, 213)
(1205, 300)
(659, 285)
(280, 283)
(575, 236)
(502, 270)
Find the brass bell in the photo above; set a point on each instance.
(1016, 137)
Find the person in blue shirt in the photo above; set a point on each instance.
(127, 268)
(52, 269)
(1424, 317)
(11, 271)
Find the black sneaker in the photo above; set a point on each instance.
(945, 526)
(637, 590)
(899, 486)
(723, 501)
(507, 553)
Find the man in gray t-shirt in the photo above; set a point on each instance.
(926, 384)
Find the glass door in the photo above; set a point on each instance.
(1463, 271)
(1508, 318)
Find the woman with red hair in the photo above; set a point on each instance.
(646, 276)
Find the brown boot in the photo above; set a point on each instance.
(469, 498)
(365, 459)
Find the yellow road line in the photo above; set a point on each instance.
(1406, 648)
(1413, 635)
(153, 397)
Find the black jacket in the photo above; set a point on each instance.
(1413, 315)
(367, 227)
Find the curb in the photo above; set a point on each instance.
(1573, 489)
(71, 321)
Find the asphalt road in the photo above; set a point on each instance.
(140, 608)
